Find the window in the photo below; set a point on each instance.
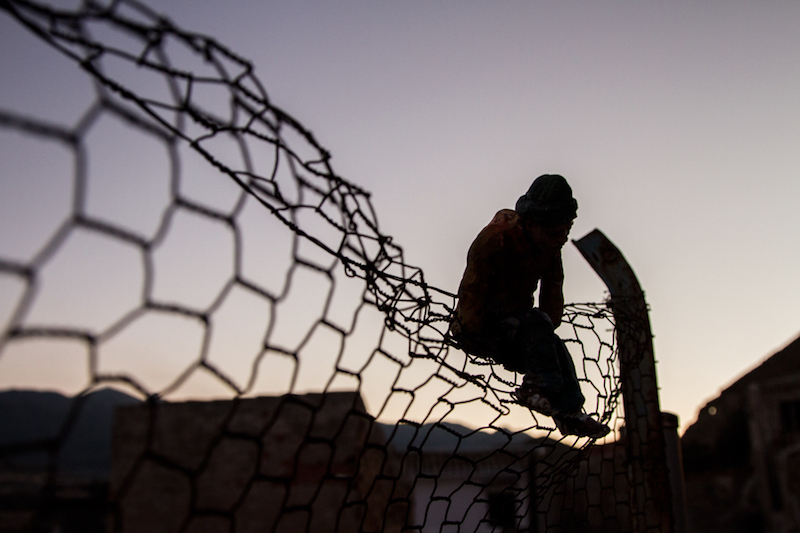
(502, 509)
(790, 417)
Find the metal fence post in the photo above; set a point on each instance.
(644, 436)
(677, 483)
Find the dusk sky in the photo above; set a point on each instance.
(676, 123)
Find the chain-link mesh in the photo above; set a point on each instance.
(199, 245)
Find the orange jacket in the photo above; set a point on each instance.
(503, 270)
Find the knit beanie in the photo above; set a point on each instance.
(548, 201)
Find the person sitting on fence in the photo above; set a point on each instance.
(495, 317)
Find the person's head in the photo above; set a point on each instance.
(547, 210)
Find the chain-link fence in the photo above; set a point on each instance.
(186, 239)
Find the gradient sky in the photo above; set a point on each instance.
(676, 123)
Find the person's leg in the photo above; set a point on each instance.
(568, 399)
(537, 346)
(536, 349)
(550, 385)
(569, 417)
(555, 379)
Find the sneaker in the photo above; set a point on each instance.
(533, 400)
(582, 426)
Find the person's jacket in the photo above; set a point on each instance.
(504, 268)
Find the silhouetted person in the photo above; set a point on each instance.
(495, 318)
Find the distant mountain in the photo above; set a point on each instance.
(445, 437)
(32, 423)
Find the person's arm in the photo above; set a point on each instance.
(551, 294)
(477, 285)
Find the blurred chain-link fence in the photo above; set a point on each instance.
(186, 239)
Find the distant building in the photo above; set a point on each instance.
(296, 463)
(480, 490)
(593, 498)
(319, 462)
(742, 456)
(316, 462)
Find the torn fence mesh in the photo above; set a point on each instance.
(187, 239)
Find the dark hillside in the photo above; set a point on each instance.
(34, 422)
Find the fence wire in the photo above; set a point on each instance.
(187, 239)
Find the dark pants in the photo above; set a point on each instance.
(527, 343)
